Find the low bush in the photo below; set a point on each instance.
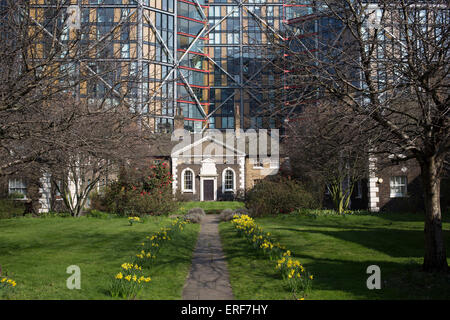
(278, 196)
(98, 201)
(138, 192)
(198, 211)
(98, 214)
(182, 197)
(240, 211)
(195, 215)
(226, 215)
(10, 208)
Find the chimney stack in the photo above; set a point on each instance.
(178, 120)
(237, 118)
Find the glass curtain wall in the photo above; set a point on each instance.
(204, 59)
(239, 80)
(193, 72)
(132, 50)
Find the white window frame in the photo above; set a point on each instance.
(22, 182)
(223, 180)
(393, 185)
(193, 181)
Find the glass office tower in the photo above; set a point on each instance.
(129, 49)
(239, 77)
(203, 59)
(192, 83)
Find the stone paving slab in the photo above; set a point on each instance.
(208, 278)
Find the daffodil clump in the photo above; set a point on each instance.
(6, 285)
(132, 220)
(152, 244)
(295, 275)
(254, 234)
(292, 271)
(128, 282)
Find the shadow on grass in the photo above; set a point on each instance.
(403, 280)
(396, 243)
(346, 279)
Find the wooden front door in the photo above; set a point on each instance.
(208, 190)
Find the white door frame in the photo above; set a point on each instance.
(202, 178)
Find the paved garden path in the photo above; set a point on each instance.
(208, 278)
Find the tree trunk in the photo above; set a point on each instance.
(435, 259)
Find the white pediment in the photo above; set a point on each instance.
(193, 148)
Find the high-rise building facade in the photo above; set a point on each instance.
(310, 33)
(237, 37)
(193, 73)
(244, 88)
(203, 59)
(125, 47)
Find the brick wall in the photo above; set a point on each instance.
(220, 167)
(414, 200)
(253, 174)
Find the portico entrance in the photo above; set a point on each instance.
(208, 180)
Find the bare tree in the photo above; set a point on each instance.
(50, 67)
(70, 102)
(93, 148)
(388, 63)
(325, 147)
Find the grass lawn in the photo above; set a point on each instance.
(37, 251)
(337, 250)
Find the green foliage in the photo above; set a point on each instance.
(16, 195)
(314, 213)
(98, 214)
(98, 201)
(140, 192)
(10, 208)
(278, 196)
